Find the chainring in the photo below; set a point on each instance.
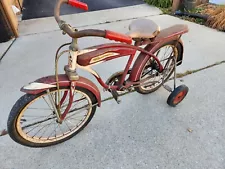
(115, 78)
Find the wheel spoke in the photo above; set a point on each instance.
(35, 117)
(73, 102)
(47, 102)
(55, 130)
(166, 51)
(165, 59)
(146, 73)
(46, 129)
(76, 118)
(39, 122)
(67, 124)
(81, 101)
(52, 132)
(40, 129)
(81, 108)
(61, 130)
(38, 108)
(39, 126)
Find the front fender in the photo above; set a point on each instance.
(49, 82)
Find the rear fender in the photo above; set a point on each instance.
(152, 48)
(48, 82)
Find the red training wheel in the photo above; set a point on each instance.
(177, 95)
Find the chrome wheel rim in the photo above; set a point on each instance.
(47, 129)
(167, 61)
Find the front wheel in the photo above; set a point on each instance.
(32, 121)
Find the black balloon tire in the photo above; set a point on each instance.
(182, 89)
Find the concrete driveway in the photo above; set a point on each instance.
(142, 131)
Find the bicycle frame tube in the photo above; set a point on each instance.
(121, 54)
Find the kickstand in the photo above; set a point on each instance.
(115, 95)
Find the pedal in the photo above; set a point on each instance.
(115, 96)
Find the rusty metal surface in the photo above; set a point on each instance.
(65, 82)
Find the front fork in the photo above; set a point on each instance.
(71, 72)
(57, 107)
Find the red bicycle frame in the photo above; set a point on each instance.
(120, 50)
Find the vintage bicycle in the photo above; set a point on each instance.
(57, 107)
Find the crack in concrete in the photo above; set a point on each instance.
(7, 50)
(188, 72)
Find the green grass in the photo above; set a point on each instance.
(196, 10)
(166, 10)
(160, 3)
(195, 20)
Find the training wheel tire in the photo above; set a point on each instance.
(177, 95)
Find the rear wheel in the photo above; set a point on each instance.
(32, 121)
(166, 55)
